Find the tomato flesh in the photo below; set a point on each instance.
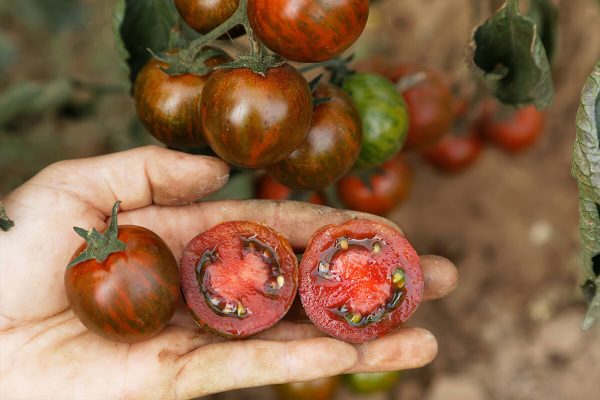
(238, 278)
(360, 280)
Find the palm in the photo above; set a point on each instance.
(42, 339)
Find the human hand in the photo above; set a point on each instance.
(47, 353)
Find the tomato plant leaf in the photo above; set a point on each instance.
(139, 25)
(508, 53)
(5, 222)
(100, 245)
(586, 170)
(545, 15)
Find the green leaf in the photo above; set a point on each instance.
(586, 170)
(508, 53)
(5, 222)
(100, 245)
(545, 15)
(139, 25)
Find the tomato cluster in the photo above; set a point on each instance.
(241, 277)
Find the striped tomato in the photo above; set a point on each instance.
(330, 148)
(308, 30)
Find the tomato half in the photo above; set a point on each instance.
(308, 30)
(130, 296)
(384, 117)
(330, 148)
(238, 278)
(319, 389)
(169, 106)
(455, 153)
(430, 103)
(378, 191)
(205, 15)
(269, 189)
(253, 121)
(360, 280)
(512, 130)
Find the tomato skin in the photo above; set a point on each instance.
(384, 117)
(455, 153)
(269, 189)
(330, 148)
(308, 30)
(367, 383)
(319, 389)
(512, 130)
(431, 106)
(319, 296)
(132, 295)
(205, 15)
(389, 187)
(253, 121)
(168, 106)
(227, 241)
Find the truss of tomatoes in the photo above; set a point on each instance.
(258, 111)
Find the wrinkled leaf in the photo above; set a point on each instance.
(586, 169)
(508, 53)
(545, 15)
(139, 25)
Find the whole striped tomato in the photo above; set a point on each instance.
(124, 287)
(308, 30)
(330, 148)
(253, 120)
(384, 117)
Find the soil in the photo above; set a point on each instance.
(511, 330)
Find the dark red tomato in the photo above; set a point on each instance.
(239, 278)
(360, 280)
(320, 389)
(330, 148)
(455, 153)
(269, 189)
(130, 296)
(430, 106)
(205, 15)
(253, 121)
(512, 130)
(168, 106)
(308, 30)
(378, 191)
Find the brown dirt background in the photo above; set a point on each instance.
(511, 330)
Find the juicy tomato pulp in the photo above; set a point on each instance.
(360, 280)
(239, 278)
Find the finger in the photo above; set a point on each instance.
(286, 331)
(441, 277)
(403, 349)
(137, 177)
(251, 363)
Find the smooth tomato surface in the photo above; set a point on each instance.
(373, 382)
(268, 188)
(331, 146)
(308, 30)
(132, 295)
(512, 130)
(238, 278)
(206, 15)
(319, 389)
(430, 103)
(455, 153)
(360, 280)
(253, 121)
(169, 106)
(378, 191)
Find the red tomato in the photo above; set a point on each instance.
(130, 296)
(239, 278)
(455, 153)
(269, 189)
(430, 106)
(308, 30)
(253, 121)
(512, 130)
(360, 280)
(378, 191)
